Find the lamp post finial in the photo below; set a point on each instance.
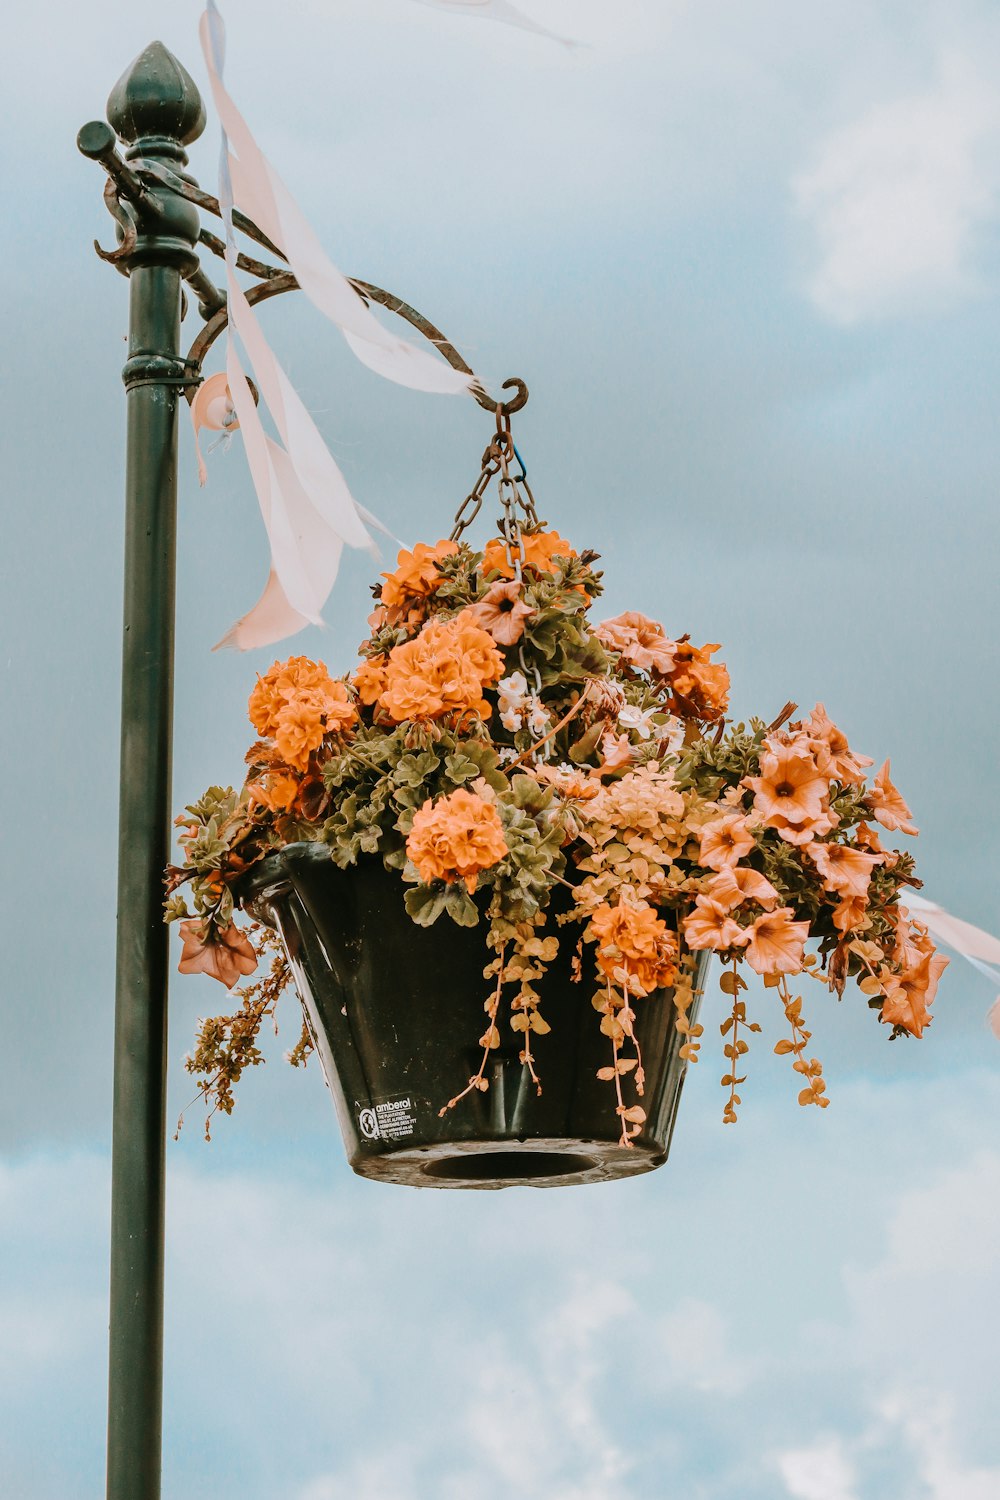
(156, 97)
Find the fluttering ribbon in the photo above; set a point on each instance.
(498, 10)
(308, 510)
(979, 948)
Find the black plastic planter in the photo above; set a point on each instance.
(396, 1010)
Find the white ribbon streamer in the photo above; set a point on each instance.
(497, 10)
(307, 508)
(979, 948)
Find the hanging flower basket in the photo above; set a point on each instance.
(496, 859)
(392, 1008)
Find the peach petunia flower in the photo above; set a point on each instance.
(227, 959)
(908, 995)
(776, 943)
(700, 686)
(804, 832)
(639, 641)
(888, 807)
(867, 838)
(791, 793)
(711, 926)
(845, 870)
(502, 612)
(455, 838)
(417, 575)
(851, 914)
(834, 755)
(631, 937)
(725, 841)
(734, 885)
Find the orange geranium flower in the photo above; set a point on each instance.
(307, 718)
(844, 869)
(443, 670)
(776, 943)
(700, 686)
(791, 793)
(632, 937)
(227, 959)
(502, 612)
(285, 681)
(417, 575)
(541, 548)
(456, 838)
(369, 679)
(834, 755)
(725, 841)
(908, 995)
(711, 926)
(297, 703)
(639, 641)
(888, 807)
(734, 885)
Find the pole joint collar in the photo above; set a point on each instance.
(147, 368)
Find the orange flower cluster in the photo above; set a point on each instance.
(443, 670)
(416, 576)
(634, 945)
(296, 704)
(455, 838)
(540, 548)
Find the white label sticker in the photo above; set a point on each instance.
(388, 1120)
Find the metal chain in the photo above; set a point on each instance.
(501, 458)
(517, 504)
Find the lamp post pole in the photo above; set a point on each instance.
(155, 109)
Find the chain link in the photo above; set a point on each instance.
(502, 458)
(517, 503)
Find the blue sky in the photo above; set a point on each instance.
(746, 257)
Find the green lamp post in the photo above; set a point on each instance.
(156, 110)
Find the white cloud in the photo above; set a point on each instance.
(695, 1345)
(819, 1472)
(927, 1428)
(896, 201)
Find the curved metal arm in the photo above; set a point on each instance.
(273, 281)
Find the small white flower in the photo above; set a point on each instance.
(634, 720)
(513, 700)
(671, 737)
(539, 722)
